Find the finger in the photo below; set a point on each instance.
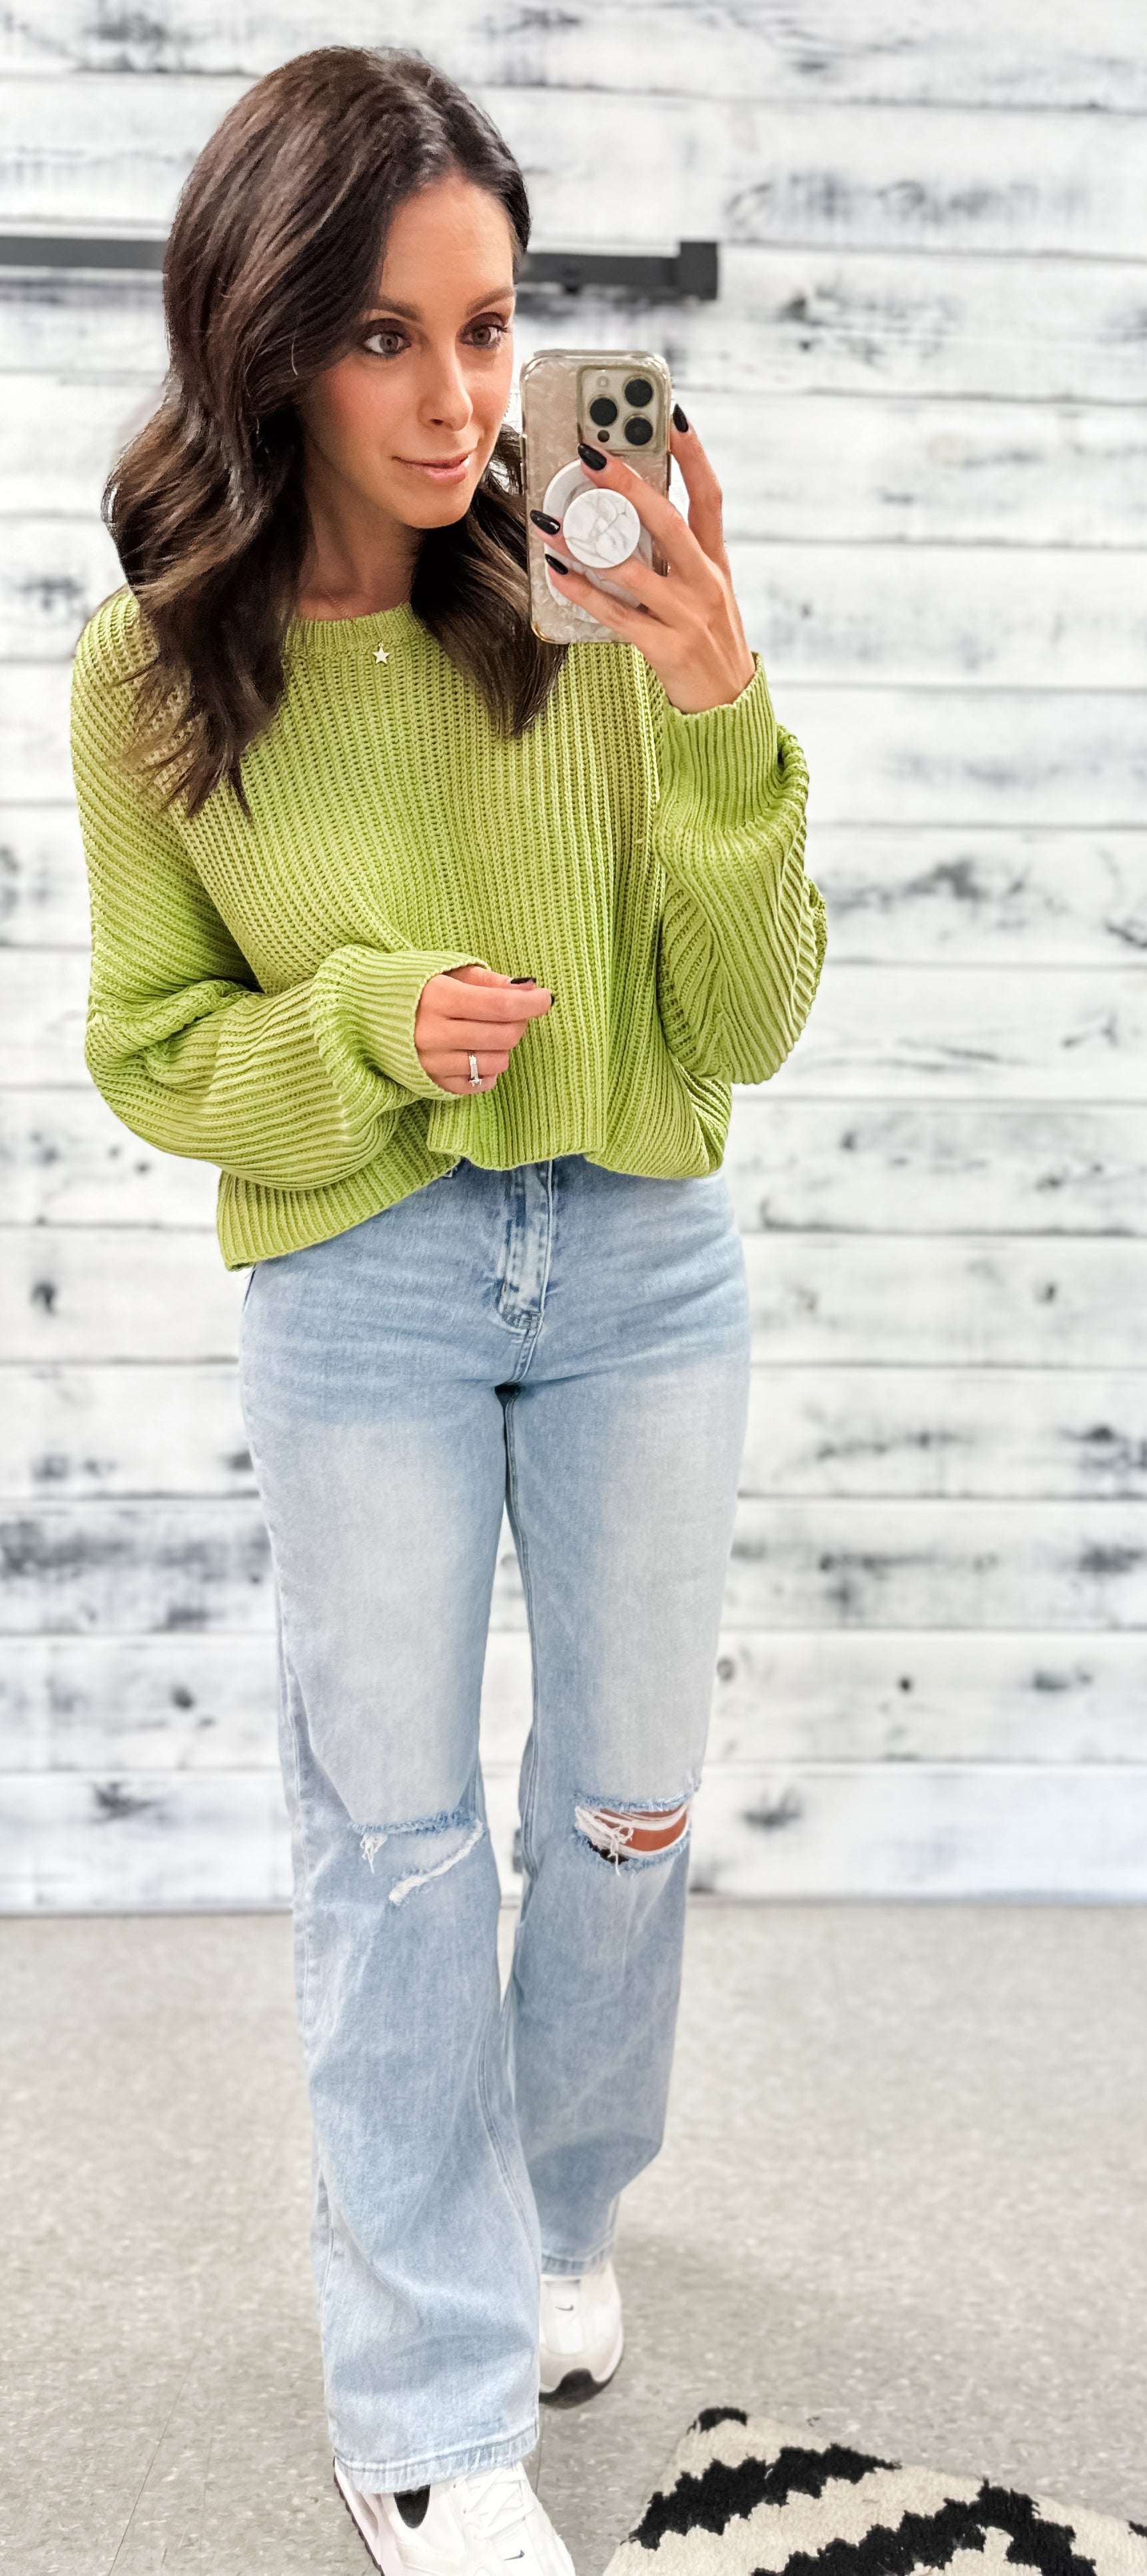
(634, 624)
(705, 501)
(664, 522)
(463, 1037)
(513, 1002)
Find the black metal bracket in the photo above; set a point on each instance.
(644, 276)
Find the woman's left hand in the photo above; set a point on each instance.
(686, 621)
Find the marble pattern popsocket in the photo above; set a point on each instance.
(601, 529)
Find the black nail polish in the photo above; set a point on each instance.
(523, 979)
(679, 420)
(555, 566)
(549, 527)
(589, 456)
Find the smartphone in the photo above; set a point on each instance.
(619, 401)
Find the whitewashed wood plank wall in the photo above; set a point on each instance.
(923, 382)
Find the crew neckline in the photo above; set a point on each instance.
(324, 638)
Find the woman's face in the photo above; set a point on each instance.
(408, 418)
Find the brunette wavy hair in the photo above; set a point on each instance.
(273, 259)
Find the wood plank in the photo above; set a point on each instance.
(932, 1167)
(825, 470)
(822, 49)
(1059, 1033)
(1070, 1833)
(208, 1702)
(43, 881)
(1052, 1033)
(158, 1842)
(63, 1155)
(127, 1433)
(895, 612)
(1008, 757)
(1022, 1435)
(924, 894)
(938, 1565)
(940, 1695)
(117, 1293)
(941, 1302)
(787, 321)
(119, 1431)
(935, 896)
(818, 50)
(71, 1569)
(115, 153)
(83, 1294)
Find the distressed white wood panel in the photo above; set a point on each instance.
(1006, 1435)
(1050, 1033)
(787, 321)
(959, 756)
(79, 1293)
(75, 1569)
(934, 896)
(880, 755)
(117, 1432)
(1070, 1831)
(929, 1695)
(924, 894)
(63, 1155)
(115, 153)
(938, 1565)
(904, 613)
(182, 1702)
(936, 1301)
(838, 467)
(823, 49)
(190, 1702)
(43, 881)
(120, 1430)
(43, 1012)
(208, 1702)
(916, 1167)
(70, 1844)
(928, 1167)
(162, 1842)
(83, 1294)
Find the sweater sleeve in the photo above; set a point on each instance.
(296, 1088)
(742, 926)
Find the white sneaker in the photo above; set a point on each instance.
(475, 2526)
(582, 2337)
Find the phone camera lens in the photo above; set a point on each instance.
(638, 392)
(603, 410)
(639, 432)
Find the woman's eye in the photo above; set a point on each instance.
(488, 335)
(385, 341)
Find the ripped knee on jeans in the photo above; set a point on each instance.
(444, 1841)
(634, 1833)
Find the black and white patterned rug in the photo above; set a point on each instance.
(744, 2497)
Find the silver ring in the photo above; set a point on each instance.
(475, 1076)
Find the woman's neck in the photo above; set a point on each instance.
(359, 560)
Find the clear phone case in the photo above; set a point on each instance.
(618, 400)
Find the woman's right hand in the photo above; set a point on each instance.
(453, 1023)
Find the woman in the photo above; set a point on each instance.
(446, 946)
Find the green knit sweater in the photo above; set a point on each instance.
(255, 978)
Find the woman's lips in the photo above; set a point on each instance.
(453, 469)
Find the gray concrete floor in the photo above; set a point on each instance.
(903, 2196)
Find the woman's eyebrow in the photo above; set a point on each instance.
(410, 312)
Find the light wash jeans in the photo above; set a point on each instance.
(572, 1342)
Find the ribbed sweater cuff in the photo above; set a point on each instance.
(368, 998)
(721, 762)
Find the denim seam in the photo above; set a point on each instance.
(494, 2030)
(388, 2476)
(526, 1819)
(565, 2268)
